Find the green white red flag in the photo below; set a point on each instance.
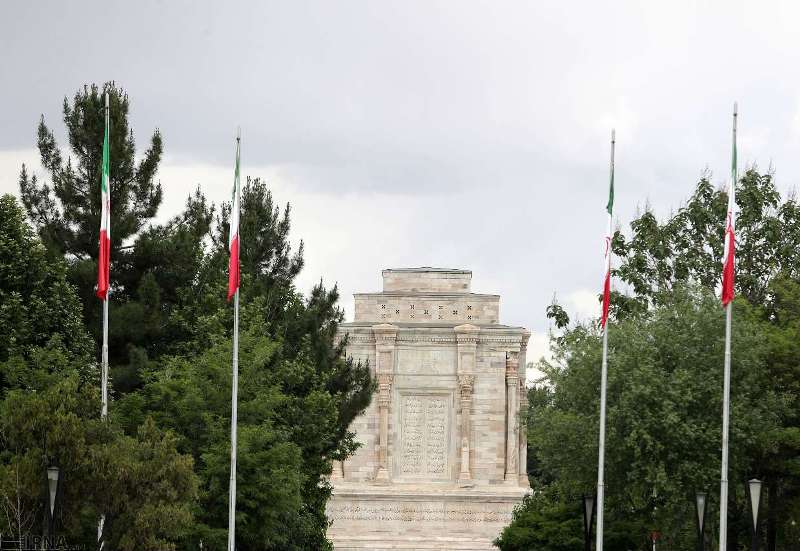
(104, 257)
(607, 243)
(728, 271)
(233, 239)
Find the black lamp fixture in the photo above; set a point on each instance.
(588, 519)
(754, 492)
(701, 506)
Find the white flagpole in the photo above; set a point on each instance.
(726, 391)
(104, 353)
(234, 388)
(104, 359)
(603, 378)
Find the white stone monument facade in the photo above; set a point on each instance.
(443, 454)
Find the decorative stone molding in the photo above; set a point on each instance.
(408, 513)
(467, 334)
(360, 338)
(439, 339)
(385, 334)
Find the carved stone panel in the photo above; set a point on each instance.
(424, 435)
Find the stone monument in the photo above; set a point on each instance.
(443, 454)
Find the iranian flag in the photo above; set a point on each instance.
(730, 235)
(233, 240)
(607, 246)
(103, 259)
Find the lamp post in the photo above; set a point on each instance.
(754, 492)
(588, 519)
(53, 479)
(700, 508)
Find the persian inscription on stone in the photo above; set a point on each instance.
(436, 421)
(417, 512)
(413, 435)
(425, 436)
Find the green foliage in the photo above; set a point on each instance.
(662, 438)
(170, 348)
(688, 246)
(39, 310)
(142, 484)
(549, 522)
(544, 524)
(296, 401)
(665, 370)
(146, 490)
(49, 415)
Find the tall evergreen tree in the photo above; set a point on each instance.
(66, 211)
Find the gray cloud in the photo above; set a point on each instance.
(468, 134)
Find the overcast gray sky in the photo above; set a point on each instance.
(456, 134)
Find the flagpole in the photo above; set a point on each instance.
(234, 387)
(234, 415)
(726, 391)
(104, 350)
(104, 354)
(603, 378)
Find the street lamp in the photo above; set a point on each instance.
(754, 487)
(588, 518)
(53, 475)
(700, 508)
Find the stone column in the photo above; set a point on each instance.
(465, 383)
(385, 337)
(523, 409)
(512, 408)
(467, 341)
(384, 399)
(523, 436)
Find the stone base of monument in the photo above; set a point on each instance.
(419, 517)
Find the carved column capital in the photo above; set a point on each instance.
(384, 388)
(523, 345)
(465, 385)
(512, 368)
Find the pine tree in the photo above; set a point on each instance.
(66, 210)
